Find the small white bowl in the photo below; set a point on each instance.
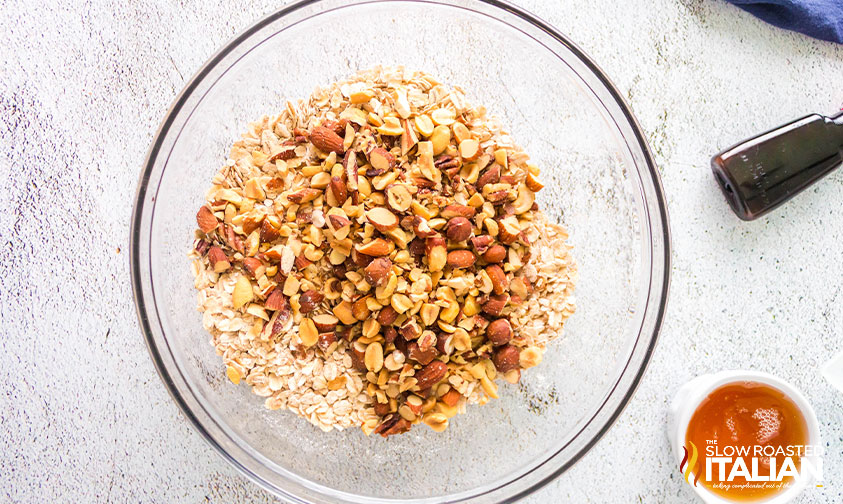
(689, 397)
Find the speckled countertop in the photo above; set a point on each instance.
(83, 415)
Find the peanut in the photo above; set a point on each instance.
(440, 137)
(308, 333)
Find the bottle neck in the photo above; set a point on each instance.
(763, 172)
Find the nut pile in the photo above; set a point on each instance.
(372, 256)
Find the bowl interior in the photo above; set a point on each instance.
(599, 182)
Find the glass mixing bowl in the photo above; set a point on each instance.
(601, 182)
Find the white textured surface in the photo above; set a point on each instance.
(83, 415)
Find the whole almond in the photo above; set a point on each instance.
(499, 280)
(495, 305)
(383, 220)
(495, 254)
(338, 190)
(506, 358)
(309, 300)
(378, 271)
(499, 332)
(433, 373)
(219, 261)
(206, 220)
(459, 229)
(326, 140)
(451, 211)
(461, 258)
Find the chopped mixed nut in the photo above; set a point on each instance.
(374, 256)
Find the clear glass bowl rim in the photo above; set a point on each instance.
(141, 281)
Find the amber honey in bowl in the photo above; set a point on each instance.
(745, 442)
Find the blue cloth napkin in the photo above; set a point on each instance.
(822, 19)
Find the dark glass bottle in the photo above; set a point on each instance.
(761, 173)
